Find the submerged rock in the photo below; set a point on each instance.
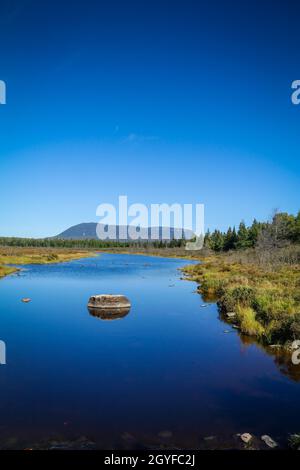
(126, 436)
(82, 443)
(269, 441)
(165, 434)
(230, 314)
(246, 437)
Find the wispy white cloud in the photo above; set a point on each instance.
(136, 138)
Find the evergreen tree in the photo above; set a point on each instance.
(242, 236)
(207, 239)
(217, 241)
(253, 232)
(230, 239)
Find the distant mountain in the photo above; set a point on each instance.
(88, 231)
(80, 232)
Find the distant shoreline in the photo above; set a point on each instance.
(22, 256)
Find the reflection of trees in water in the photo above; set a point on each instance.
(282, 357)
(287, 367)
(109, 314)
(208, 296)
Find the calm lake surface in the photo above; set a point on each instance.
(168, 365)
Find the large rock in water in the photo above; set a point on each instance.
(108, 301)
(108, 306)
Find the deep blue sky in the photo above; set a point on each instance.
(164, 101)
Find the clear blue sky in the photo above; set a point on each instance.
(164, 101)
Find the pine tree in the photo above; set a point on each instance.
(242, 236)
(207, 239)
(253, 232)
(217, 241)
(230, 239)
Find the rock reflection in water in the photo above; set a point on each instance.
(109, 314)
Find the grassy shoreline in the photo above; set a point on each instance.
(6, 270)
(23, 256)
(157, 252)
(44, 255)
(262, 302)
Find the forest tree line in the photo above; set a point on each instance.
(88, 243)
(282, 230)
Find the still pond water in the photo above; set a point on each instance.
(169, 365)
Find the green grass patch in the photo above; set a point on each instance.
(5, 270)
(267, 302)
(22, 256)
